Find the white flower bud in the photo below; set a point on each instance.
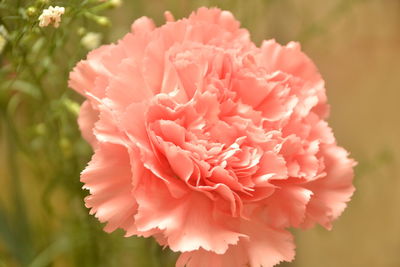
(91, 40)
(116, 3)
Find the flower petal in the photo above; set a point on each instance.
(288, 59)
(287, 206)
(86, 121)
(188, 223)
(330, 193)
(108, 178)
(264, 247)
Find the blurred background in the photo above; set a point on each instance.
(43, 222)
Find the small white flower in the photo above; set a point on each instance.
(51, 15)
(91, 40)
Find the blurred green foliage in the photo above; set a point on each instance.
(43, 221)
(42, 217)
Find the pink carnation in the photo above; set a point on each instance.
(208, 143)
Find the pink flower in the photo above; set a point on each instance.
(208, 143)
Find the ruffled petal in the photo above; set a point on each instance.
(143, 25)
(289, 59)
(122, 91)
(271, 166)
(86, 121)
(287, 206)
(263, 247)
(333, 191)
(106, 129)
(188, 223)
(91, 76)
(108, 178)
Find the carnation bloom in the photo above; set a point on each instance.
(208, 143)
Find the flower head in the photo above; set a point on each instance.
(208, 143)
(51, 16)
